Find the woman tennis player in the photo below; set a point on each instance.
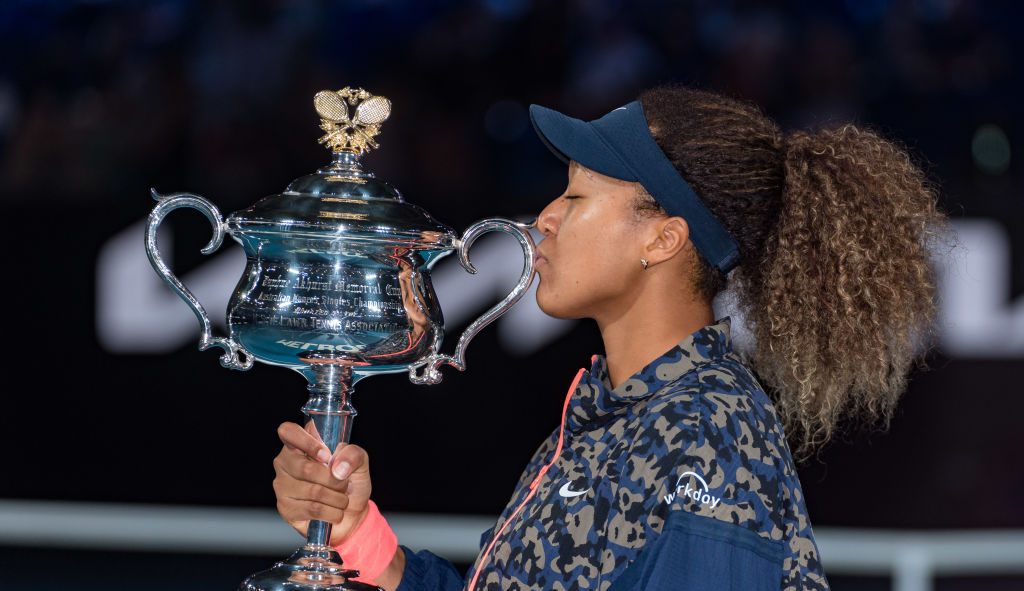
(671, 467)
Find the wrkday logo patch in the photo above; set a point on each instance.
(684, 486)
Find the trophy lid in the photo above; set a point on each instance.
(343, 201)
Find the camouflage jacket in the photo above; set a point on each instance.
(679, 478)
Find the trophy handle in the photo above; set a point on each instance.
(426, 371)
(235, 355)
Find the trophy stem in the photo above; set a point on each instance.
(330, 408)
(317, 566)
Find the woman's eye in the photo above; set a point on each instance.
(572, 196)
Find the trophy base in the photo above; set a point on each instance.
(310, 568)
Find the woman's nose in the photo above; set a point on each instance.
(547, 220)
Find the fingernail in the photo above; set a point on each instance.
(341, 470)
(323, 455)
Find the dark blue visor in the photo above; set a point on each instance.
(620, 145)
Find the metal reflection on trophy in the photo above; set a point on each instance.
(337, 287)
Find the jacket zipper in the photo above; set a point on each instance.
(533, 485)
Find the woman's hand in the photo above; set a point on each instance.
(311, 484)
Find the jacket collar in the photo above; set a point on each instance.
(594, 398)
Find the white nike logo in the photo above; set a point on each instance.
(565, 492)
(619, 109)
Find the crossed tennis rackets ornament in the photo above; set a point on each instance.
(355, 134)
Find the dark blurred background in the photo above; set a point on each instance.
(99, 101)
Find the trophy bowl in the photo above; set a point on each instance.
(336, 287)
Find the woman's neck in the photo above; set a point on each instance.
(648, 326)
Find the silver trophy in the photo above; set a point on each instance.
(337, 287)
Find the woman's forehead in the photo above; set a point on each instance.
(575, 167)
(579, 172)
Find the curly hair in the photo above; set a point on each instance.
(834, 229)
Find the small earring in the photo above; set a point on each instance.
(644, 263)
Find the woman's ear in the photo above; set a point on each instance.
(669, 236)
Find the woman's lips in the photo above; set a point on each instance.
(538, 259)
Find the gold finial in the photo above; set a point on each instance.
(355, 134)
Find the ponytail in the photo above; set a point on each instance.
(847, 292)
(834, 227)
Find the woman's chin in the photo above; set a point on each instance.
(554, 308)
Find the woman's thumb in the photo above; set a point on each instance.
(349, 459)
